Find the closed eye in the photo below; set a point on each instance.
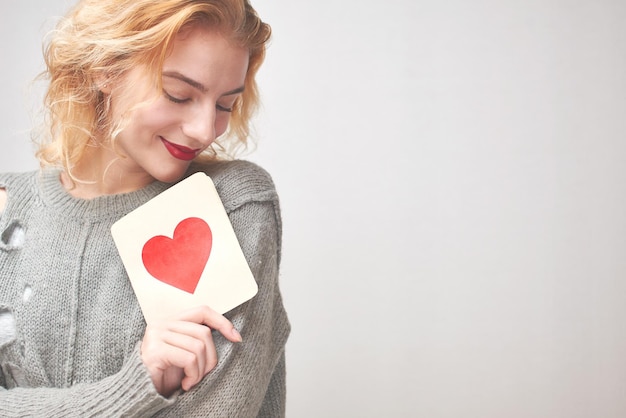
(174, 99)
(223, 109)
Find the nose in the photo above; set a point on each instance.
(200, 126)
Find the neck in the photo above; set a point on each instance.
(100, 172)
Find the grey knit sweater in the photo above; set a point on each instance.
(70, 324)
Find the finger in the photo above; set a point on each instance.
(204, 362)
(180, 358)
(209, 317)
(196, 347)
(202, 342)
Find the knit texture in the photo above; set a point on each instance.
(70, 324)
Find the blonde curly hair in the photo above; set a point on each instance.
(108, 38)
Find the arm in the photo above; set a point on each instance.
(245, 372)
(167, 359)
(3, 199)
(174, 352)
(127, 393)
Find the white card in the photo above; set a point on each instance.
(180, 251)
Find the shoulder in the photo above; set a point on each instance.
(8, 179)
(14, 183)
(3, 198)
(239, 182)
(17, 180)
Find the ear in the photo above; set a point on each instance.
(103, 83)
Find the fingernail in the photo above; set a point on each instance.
(237, 335)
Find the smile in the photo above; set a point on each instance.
(180, 152)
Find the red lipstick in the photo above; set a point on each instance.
(179, 151)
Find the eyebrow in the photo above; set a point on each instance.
(197, 85)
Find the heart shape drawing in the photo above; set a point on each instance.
(179, 261)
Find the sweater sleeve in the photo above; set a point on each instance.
(249, 379)
(128, 393)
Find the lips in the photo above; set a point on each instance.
(180, 152)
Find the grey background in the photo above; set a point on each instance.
(452, 182)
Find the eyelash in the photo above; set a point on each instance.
(174, 99)
(181, 101)
(224, 109)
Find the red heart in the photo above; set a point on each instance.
(180, 261)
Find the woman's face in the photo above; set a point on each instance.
(202, 78)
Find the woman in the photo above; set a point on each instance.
(142, 94)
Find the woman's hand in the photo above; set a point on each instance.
(180, 352)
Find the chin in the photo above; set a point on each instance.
(171, 176)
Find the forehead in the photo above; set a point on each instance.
(206, 55)
(204, 35)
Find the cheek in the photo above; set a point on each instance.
(221, 123)
(151, 118)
